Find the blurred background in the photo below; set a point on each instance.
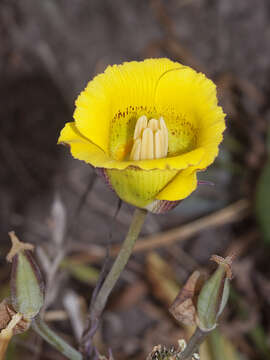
(49, 50)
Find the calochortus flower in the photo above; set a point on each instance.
(149, 126)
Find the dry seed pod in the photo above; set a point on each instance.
(7, 313)
(7, 333)
(184, 306)
(11, 323)
(27, 286)
(4, 314)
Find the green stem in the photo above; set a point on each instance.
(56, 341)
(194, 343)
(120, 262)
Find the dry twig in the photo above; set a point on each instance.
(231, 213)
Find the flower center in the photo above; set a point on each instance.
(150, 140)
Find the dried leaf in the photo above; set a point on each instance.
(184, 306)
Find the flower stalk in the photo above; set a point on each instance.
(120, 262)
(111, 279)
(193, 345)
(54, 340)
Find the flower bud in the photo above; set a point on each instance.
(214, 295)
(27, 286)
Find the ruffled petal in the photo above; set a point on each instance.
(107, 111)
(118, 89)
(82, 149)
(196, 120)
(139, 187)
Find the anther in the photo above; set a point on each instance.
(150, 139)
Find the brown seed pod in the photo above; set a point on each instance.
(6, 314)
(183, 308)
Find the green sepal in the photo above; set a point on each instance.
(212, 299)
(27, 286)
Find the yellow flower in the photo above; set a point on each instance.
(150, 126)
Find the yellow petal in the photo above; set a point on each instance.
(107, 111)
(180, 162)
(193, 117)
(82, 149)
(181, 186)
(120, 91)
(139, 187)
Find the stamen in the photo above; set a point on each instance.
(147, 148)
(136, 150)
(150, 139)
(153, 124)
(140, 126)
(158, 145)
(164, 130)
